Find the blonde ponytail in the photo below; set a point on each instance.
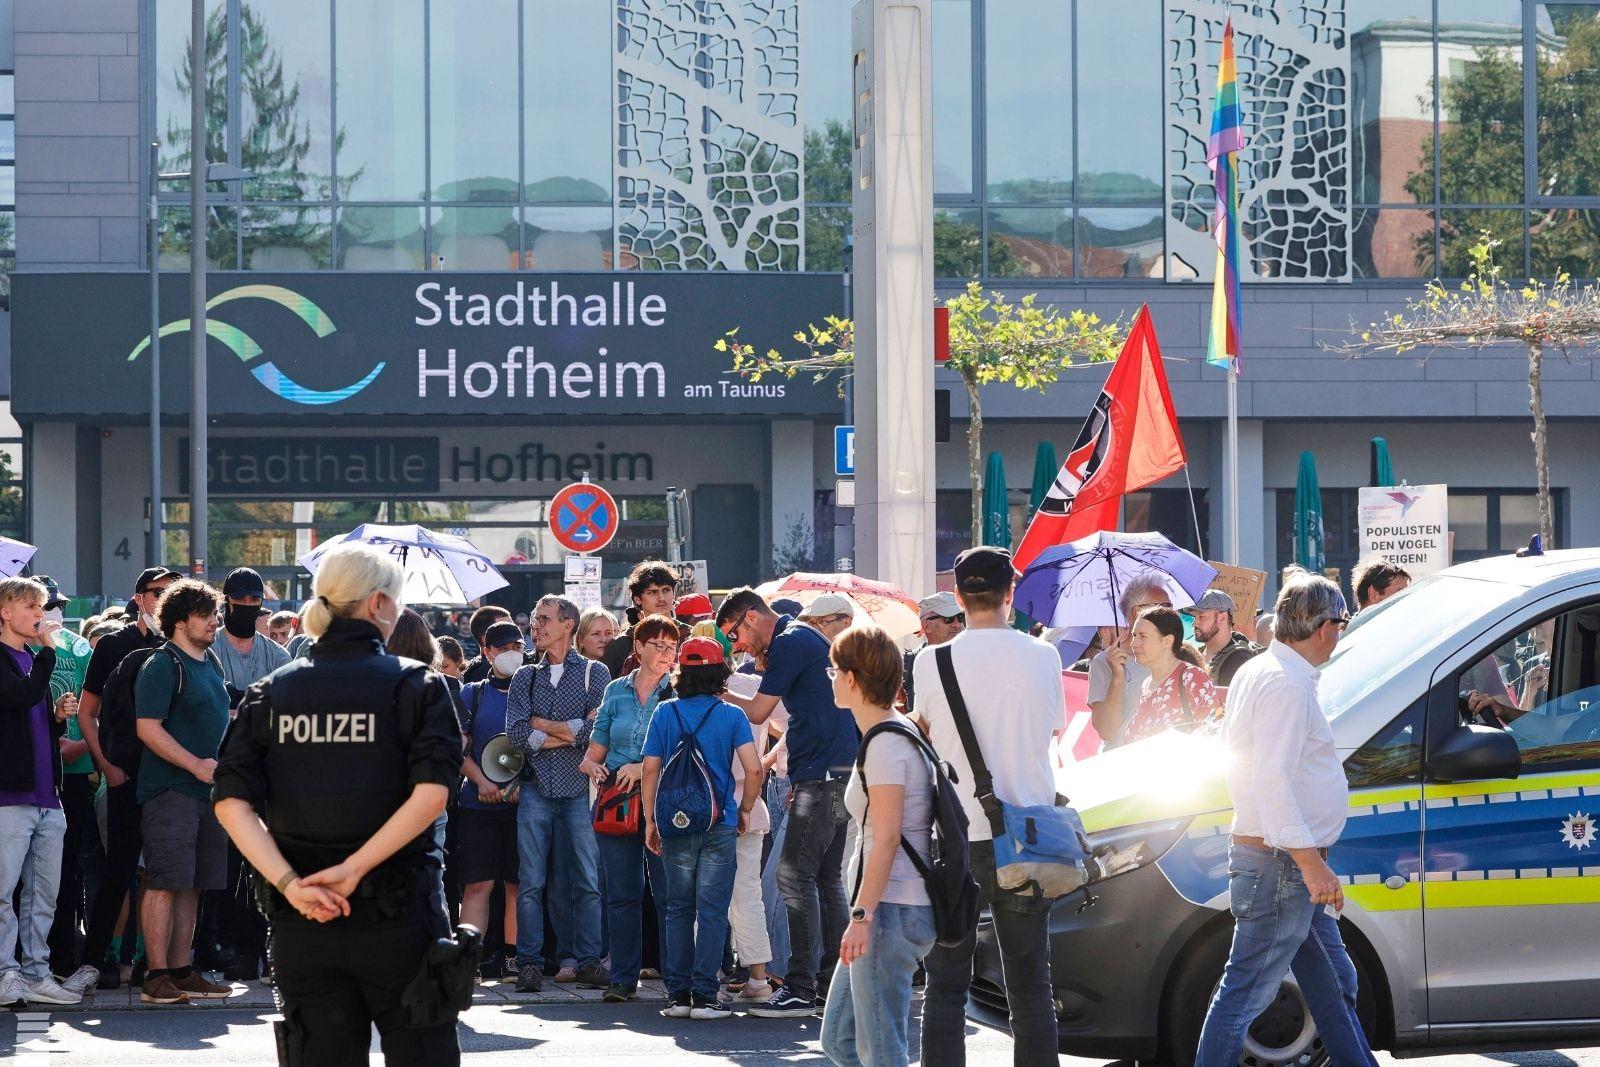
(347, 576)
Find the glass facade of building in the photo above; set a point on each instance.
(537, 134)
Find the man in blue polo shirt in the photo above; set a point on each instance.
(822, 749)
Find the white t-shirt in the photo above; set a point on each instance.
(1011, 684)
(893, 760)
(745, 685)
(1134, 675)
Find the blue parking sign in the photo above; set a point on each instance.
(844, 451)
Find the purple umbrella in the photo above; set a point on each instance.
(1078, 585)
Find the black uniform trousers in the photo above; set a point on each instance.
(124, 842)
(77, 802)
(336, 980)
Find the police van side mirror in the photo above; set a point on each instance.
(1472, 753)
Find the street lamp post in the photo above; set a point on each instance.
(198, 489)
(155, 556)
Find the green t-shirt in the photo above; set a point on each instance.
(196, 719)
(72, 660)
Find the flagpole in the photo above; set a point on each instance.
(1233, 463)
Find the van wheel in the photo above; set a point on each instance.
(1283, 1036)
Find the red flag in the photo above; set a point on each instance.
(1130, 440)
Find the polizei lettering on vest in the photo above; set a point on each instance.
(332, 727)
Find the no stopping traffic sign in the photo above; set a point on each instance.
(583, 517)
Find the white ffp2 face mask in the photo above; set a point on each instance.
(507, 663)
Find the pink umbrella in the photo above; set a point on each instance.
(892, 608)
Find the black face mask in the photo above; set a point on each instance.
(240, 619)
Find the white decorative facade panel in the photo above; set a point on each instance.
(1293, 61)
(709, 141)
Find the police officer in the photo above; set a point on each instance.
(349, 755)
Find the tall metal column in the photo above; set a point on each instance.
(154, 556)
(198, 489)
(892, 200)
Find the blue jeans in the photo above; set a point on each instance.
(562, 824)
(777, 912)
(625, 860)
(30, 853)
(700, 871)
(812, 882)
(868, 1014)
(1276, 928)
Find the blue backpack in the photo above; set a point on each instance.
(686, 794)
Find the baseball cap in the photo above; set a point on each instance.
(828, 604)
(53, 598)
(787, 606)
(1211, 600)
(938, 606)
(501, 633)
(242, 581)
(693, 606)
(984, 569)
(700, 652)
(151, 575)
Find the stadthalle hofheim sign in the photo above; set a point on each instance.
(421, 344)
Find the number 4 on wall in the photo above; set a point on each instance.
(122, 551)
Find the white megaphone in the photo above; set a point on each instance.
(502, 761)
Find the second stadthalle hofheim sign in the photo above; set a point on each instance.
(415, 344)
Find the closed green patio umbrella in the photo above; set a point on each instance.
(996, 509)
(1382, 467)
(1308, 516)
(1044, 474)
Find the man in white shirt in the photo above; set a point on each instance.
(1011, 685)
(1290, 800)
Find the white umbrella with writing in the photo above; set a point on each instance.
(14, 555)
(440, 568)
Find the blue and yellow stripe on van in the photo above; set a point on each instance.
(1489, 845)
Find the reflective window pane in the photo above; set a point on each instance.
(8, 139)
(472, 101)
(1460, 230)
(568, 123)
(1393, 243)
(8, 192)
(1519, 519)
(1565, 240)
(957, 244)
(567, 238)
(286, 99)
(1568, 75)
(825, 230)
(1027, 79)
(1391, 75)
(1121, 242)
(380, 87)
(1469, 522)
(8, 228)
(1030, 242)
(825, 84)
(952, 97)
(475, 238)
(380, 238)
(222, 229)
(1480, 121)
(287, 238)
(172, 82)
(1119, 103)
(8, 94)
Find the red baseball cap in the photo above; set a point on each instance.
(700, 652)
(693, 606)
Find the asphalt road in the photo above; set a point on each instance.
(575, 1033)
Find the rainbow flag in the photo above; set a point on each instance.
(1227, 138)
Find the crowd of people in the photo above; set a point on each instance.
(682, 793)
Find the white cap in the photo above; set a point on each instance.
(828, 604)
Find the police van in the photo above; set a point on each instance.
(1467, 711)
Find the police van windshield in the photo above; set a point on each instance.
(1400, 631)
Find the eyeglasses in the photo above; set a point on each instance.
(732, 632)
(1341, 622)
(833, 673)
(664, 648)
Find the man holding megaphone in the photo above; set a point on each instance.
(486, 827)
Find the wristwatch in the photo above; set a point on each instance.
(860, 915)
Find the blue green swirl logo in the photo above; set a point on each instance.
(245, 347)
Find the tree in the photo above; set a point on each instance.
(1486, 310)
(992, 339)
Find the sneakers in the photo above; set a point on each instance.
(195, 987)
(678, 1007)
(509, 971)
(649, 972)
(617, 994)
(707, 1008)
(13, 990)
(161, 990)
(49, 991)
(82, 980)
(755, 991)
(530, 979)
(594, 976)
(784, 1004)
(567, 974)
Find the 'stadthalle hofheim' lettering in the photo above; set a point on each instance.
(519, 375)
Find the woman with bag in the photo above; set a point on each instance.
(890, 800)
(613, 761)
(1178, 691)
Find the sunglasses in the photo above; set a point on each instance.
(732, 632)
